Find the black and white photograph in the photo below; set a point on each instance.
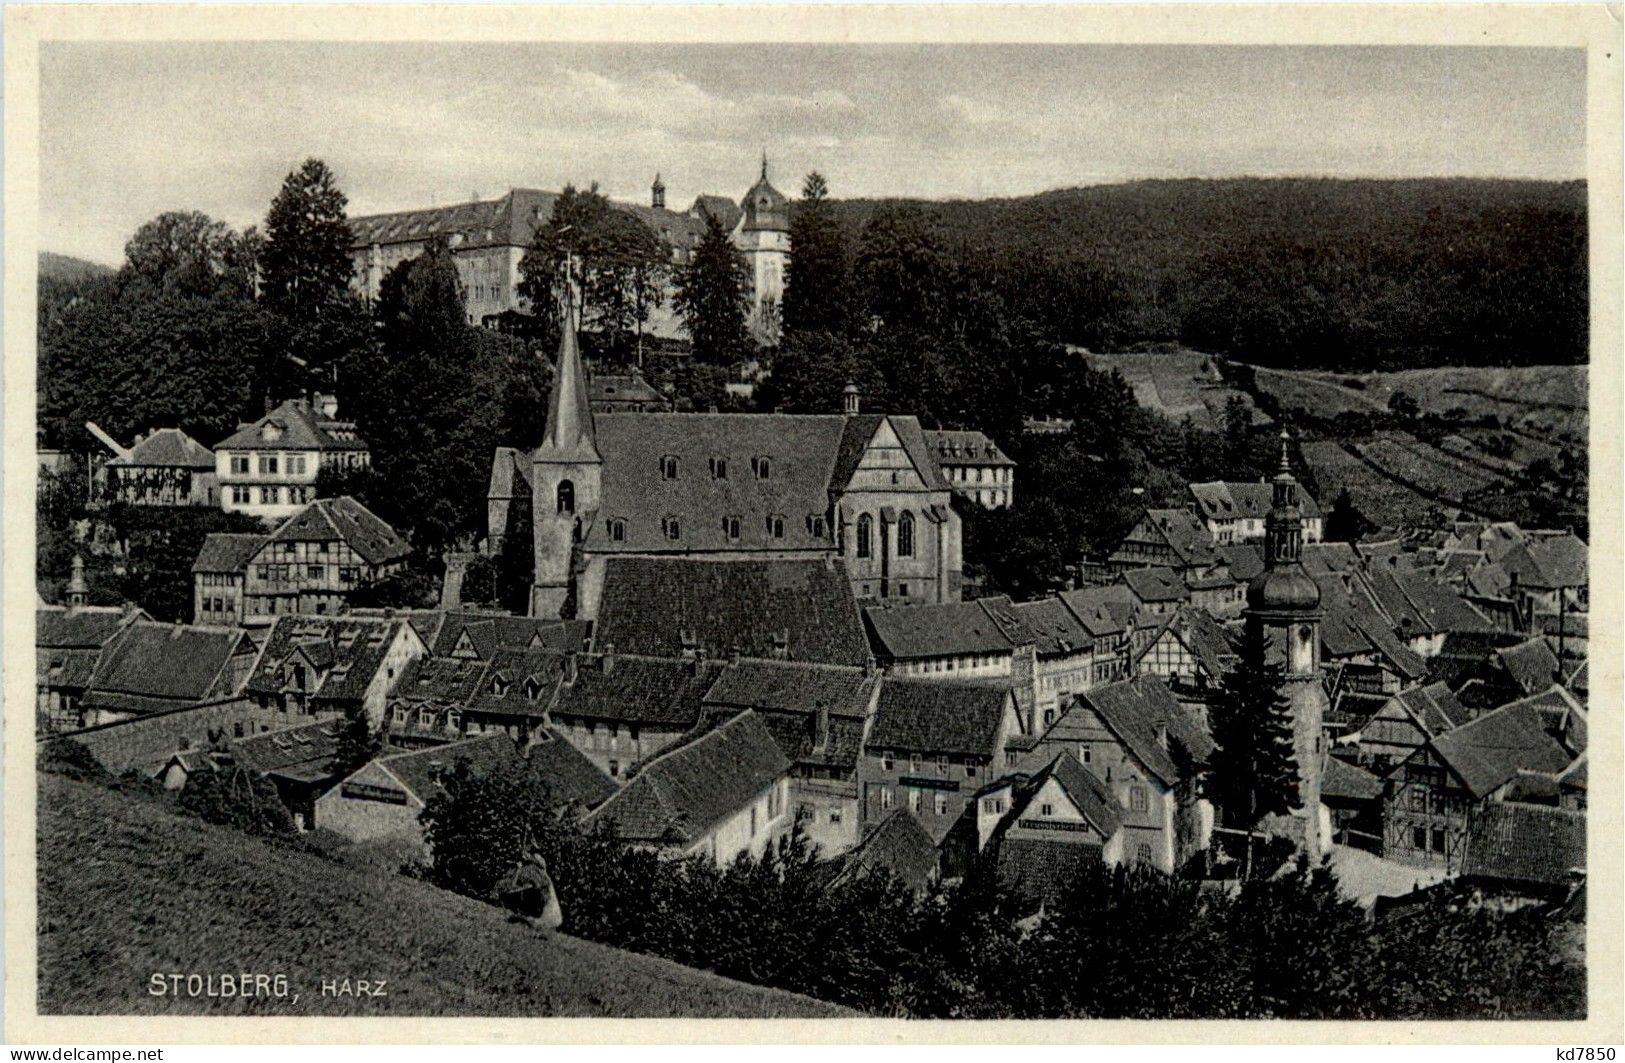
(828, 530)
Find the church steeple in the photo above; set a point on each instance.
(570, 435)
(1283, 528)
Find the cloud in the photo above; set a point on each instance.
(976, 112)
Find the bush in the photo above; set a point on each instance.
(236, 797)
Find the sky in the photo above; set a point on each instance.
(128, 131)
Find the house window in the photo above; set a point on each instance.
(905, 535)
(400, 714)
(970, 771)
(296, 464)
(615, 769)
(815, 526)
(834, 817)
(902, 592)
(1143, 853)
(762, 467)
(914, 801)
(313, 571)
(865, 530)
(567, 496)
(1083, 753)
(668, 467)
(914, 763)
(671, 528)
(942, 765)
(719, 468)
(268, 464)
(1049, 717)
(888, 761)
(992, 805)
(239, 464)
(1046, 810)
(941, 804)
(730, 528)
(349, 573)
(775, 526)
(1438, 839)
(1419, 838)
(1137, 799)
(454, 721)
(617, 530)
(885, 797)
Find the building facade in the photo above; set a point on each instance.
(268, 468)
(975, 467)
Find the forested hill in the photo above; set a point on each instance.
(53, 266)
(1295, 272)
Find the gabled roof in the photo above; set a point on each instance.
(86, 627)
(1204, 638)
(1153, 585)
(1340, 779)
(1563, 717)
(792, 686)
(792, 610)
(1486, 752)
(1056, 630)
(1233, 500)
(603, 388)
(444, 682)
(1245, 560)
(1433, 707)
(304, 752)
(149, 663)
(1104, 611)
(444, 630)
(343, 519)
(952, 448)
(294, 425)
(569, 775)
(1528, 845)
(1091, 797)
(1180, 531)
(228, 552)
(351, 650)
(938, 629)
(1531, 665)
(420, 770)
(938, 717)
(1329, 557)
(1546, 564)
(528, 678)
(1042, 869)
(169, 448)
(684, 793)
(640, 690)
(898, 844)
(510, 474)
(1138, 710)
(68, 669)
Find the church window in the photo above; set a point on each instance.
(775, 525)
(719, 468)
(730, 528)
(905, 535)
(617, 530)
(671, 527)
(762, 467)
(668, 467)
(865, 532)
(567, 496)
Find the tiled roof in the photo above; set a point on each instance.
(685, 792)
(1181, 531)
(611, 388)
(1231, 500)
(943, 629)
(1433, 707)
(487, 632)
(438, 681)
(350, 651)
(1055, 629)
(343, 519)
(1329, 557)
(1486, 752)
(1562, 716)
(1103, 611)
(794, 610)
(528, 677)
(1532, 665)
(938, 716)
(641, 690)
(1094, 801)
(1440, 604)
(1136, 710)
(1155, 584)
(1205, 639)
(569, 775)
(420, 770)
(1339, 778)
(164, 661)
(797, 737)
(293, 426)
(69, 669)
(169, 447)
(227, 551)
(87, 627)
(787, 686)
(510, 474)
(310, 746)
(1560, 561)
(1245, 560)
(1525, 845)
(898, 844)
(951, 448)
(1035, 867)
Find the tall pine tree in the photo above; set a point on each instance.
(1254, 772)
(305, 263)
(819, 278)
(713, 296)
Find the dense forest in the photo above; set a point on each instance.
(1294, 273)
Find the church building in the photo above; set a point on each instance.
(860, 488)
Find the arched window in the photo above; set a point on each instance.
(762, 467)
(865, 531)
(905, 535)
(567, 497)
(671, 527)
(668, 467)
(730, 528)
(617, 530)
(775, 525)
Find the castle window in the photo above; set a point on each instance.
(668, 467)
(567, 496)
(865, 533)
(730, 528)
(775, 525)
(762, 467)
(719, 468)
(905, 535)
(616, 529)
(670, 527)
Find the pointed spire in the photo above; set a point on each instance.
(1285, 468)
(570, 435)
(764, 164)
(78, 589)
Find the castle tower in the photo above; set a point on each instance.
(763, 236)
(566, 480)
(657, 194)
(1283, 613)
(78, 589)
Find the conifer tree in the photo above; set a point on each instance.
(1254, 772)
(818, 280)
(713, 296)
(305, 264)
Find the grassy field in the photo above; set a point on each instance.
(1546, 402)
(1175, 384)
(127, 889)
(1382, 500)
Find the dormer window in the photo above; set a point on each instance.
(762, 467)
(616, 528)
(533, 689)
(775, 525)
(730, 528)
(499, 686)
(719, 468)
(671, 528)
(668, 467)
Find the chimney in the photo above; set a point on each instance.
(733, 655)
(851, 399)
(690, 646)
(606, 663)
(327, 405)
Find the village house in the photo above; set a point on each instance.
(164, 467)
(1065, 651)
(1169, 538)
(67, 641)
(622, 710)
(325, 666)
(300, 761)
(1233, 512)
(1147, 748)
(778, 610)
(1432, 797)
(1401, 725)
(897, 846)
(1353, 799)
(932, 746)
(624, 393)
(817, 714)
(472, 635)
(150, 667)
(1108, 613)
(955, 640)
(439, 699)
(1191, 652)
(1526, 851)
(974, 467)
(1156, 592)
(312, 564)
(720, 794)
(1041, 830)
(268, 467)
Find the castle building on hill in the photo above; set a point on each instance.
(1284, 614)
(489, 239)
(860, 489)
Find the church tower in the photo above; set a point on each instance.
(1283, 614)
(566, 479)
